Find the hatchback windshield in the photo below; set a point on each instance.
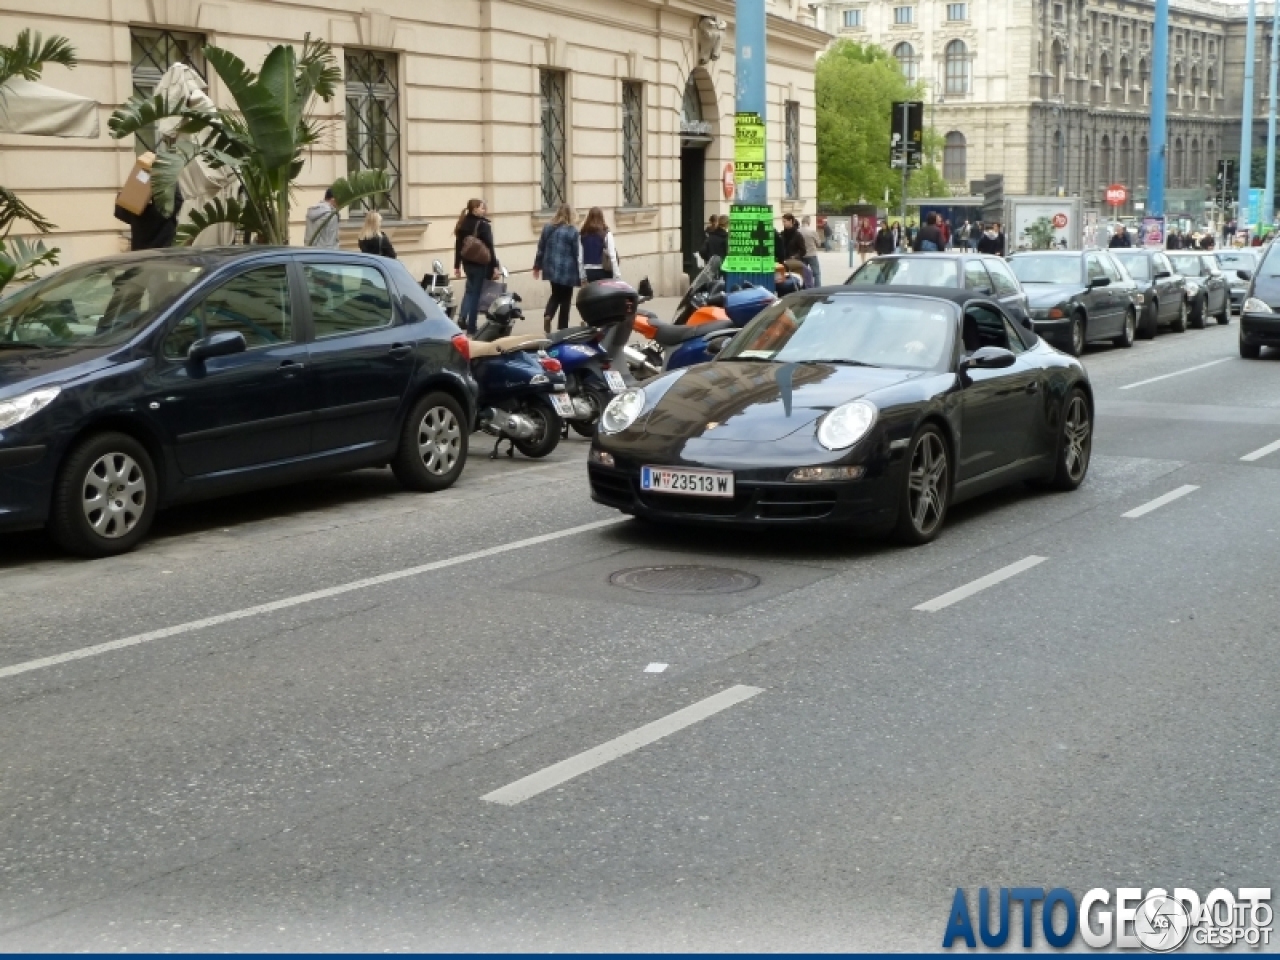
(1187, 266)
(94, 305)
(1040, 269)
(876, 331)
(908, 272)
(1137, 264)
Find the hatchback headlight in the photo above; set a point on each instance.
(846, 425)
(1254, 305)
(622, 411)
(14, 411)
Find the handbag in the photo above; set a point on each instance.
(474, 250)
(606, 258)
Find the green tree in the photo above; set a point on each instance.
(856, 86)
(1040, 233)
(263, 142)
(27, 58)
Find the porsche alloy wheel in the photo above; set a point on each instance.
(928, 488)
(1076, 444)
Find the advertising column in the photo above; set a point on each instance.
(751, 253)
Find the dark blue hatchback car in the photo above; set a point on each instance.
(141, 381)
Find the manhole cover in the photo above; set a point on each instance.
(686, 579)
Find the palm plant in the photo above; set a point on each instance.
(263, 142)
(26, 59)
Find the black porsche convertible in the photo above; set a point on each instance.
(844, 406)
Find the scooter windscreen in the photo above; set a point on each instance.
(702, 283)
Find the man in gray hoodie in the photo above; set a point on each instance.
(322, 224)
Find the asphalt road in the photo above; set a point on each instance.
(335, 712)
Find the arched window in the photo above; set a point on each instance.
(1143, 159)
(1104, 160)
(957, 59)
(1144, 81)
(1195, 88)
(1125, 173)
(1211, 160)
(1057, 160)
(1210, 81)
(1106, 79)
(1088, 164)
(905, 54)
(1175, 98)
(1176, 174)
(955, 158)
(1126, 76)
(1059, 57)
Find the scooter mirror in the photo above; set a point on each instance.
(437, 266)
(645, 289)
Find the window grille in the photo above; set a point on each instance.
(632, 144)
(152, 52)
(853, 18)
(957, 11)
(553, 138)
(954, 157)
(373, 123)
(792, 155)
(905, 54)
(902, 15)
(957, 65)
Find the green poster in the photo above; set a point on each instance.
(748, 147)
(750, 240)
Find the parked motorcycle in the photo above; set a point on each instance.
(523, 392)
(437, 286)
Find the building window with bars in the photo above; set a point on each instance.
(152, 52)
(552, 84)
(791, 164)
(852, 19)
(905, 54)
(955, 157)
(632, 143)
(957, 66)
(957, 11)
(902, 15)
(373, 122)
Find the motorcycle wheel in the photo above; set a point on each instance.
(549, 428)
(599, 400)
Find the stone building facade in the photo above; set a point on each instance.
(1057, 93)
(526, 103)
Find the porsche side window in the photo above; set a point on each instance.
(1016, 346)
(988, 328)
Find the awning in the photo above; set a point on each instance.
(33, 108)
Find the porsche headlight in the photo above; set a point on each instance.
(16, 410)
(622, 411)
(1254, 305)
(846, 425)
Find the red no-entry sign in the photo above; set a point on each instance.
(1117, 195)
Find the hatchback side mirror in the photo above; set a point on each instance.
(221, 344)
(987, 358)
(1245, 275)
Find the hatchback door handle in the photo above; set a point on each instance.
(1033, 386)
(291, 366)
(399, 350)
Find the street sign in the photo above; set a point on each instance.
(750, 240)
(1117, 195)
(906, 135)
(728, 181)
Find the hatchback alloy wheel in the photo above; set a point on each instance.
(439, 440)
(433, 444)
(115, 495)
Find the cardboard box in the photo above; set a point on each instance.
(136, 194)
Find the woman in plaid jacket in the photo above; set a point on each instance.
(559, 259)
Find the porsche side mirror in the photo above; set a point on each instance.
(1245, 275)
(1097, 282)
(221, 344)
(987, 358)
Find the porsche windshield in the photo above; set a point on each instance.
(94, 305)
(877, 331)
(1046, 269)
(923, 271)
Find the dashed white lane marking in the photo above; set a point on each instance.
(1261, 452)
(656, 667)
(982, 583)
(1176, 373)
(558, 773)
(287, 602)
(1159, 502)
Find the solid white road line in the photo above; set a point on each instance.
(1261, 452)
(558, 773)
(288, 602)
(1176, 373)
(1159, 502)
(977, 586)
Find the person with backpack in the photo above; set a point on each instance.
(716, 243)
(929, 238)
(372, 239)
(559, 258)
(473, 252)
(598, 254)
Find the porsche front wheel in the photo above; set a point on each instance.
(927, 488)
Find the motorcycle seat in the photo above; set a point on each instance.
(522, 341)
(483, 350)
(670, 334)
(574, 335)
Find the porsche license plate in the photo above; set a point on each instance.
(562, 404)
(693, 483)
(615, 381)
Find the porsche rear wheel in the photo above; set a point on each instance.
(927, 488)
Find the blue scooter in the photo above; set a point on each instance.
(523, 392)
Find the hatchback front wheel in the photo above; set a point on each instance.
(105, 497)
(433, 444)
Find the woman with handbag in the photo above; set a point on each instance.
(473, 252)
(372, 239)
(599, 255)
(558, 257)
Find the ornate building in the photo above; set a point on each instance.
(1056, 94)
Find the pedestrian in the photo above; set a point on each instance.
(989, 242)
(716, 243)
(598, 254)
(789, 243)
(811, 244)
(1120, 238)
(946, 231)
(372, 239)
(559, 259)
(712, 221)
(322, 223)
(885, 242)
(473, 252)
(962, 235)
(1002, 242)
(866, 238)
(1173, 241)
(151, 230)
(929, 238)
(897, 235)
